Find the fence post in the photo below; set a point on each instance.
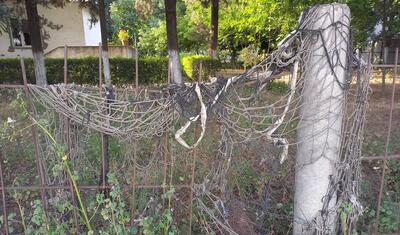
(194, 158)
(65, 64)
(385, 158)
(35, 137)
(100, 68)
(67, 140)
(321, 114)
(3, 196)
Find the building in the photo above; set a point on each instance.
(72, 27)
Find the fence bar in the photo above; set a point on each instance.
(85, 187)
(3, 196)
(390, 157)
(100, 68)
(136, 92)
(35, 137)
(386, 144)
(67, 140)
(194, 158)
(384, 65)
(11, 86)
(65, 64)
(136, 67)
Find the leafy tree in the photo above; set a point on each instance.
(153, 40)
(213, 43)
(36, 41)
(172, 38)
(123, 15)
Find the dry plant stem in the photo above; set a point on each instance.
(70, 175)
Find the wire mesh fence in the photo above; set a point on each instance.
(165, 172)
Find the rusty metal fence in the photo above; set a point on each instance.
(42, 187)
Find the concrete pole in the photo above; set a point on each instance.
(319, 130)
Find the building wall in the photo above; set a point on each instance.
(92, 31)
(72, 31)
(92, 51)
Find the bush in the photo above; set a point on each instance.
(250, 56)
(191, 66)
(85, 71)
(152, 70)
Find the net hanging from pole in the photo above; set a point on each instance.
(245, 113)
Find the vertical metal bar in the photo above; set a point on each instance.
(65, 64)
(100, 68)
(135, 143)
(34, 137)
(3, 196)
(136, 67)
(194, 158)
(165, 141)
(378, 209)
(67, 140)
(104, 137)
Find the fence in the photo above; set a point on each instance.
(168, 162)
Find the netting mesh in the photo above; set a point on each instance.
(234, 114)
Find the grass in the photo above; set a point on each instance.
(246, 180)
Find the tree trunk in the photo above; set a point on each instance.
(319, 130)
(213, 43)
(104, 44)
(170, 16)
(36, 42)
(109, 93)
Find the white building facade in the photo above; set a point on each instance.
(72, 27)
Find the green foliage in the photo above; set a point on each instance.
(153, 40)
(191, 66)
(278, 87)
(113, 211)
(161, 222)
(250, 56)
(152, 70)
(389, 221)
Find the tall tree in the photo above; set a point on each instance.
(109, 90)
(170, 17)
(104, 44)
(213, 43)
(36, 41)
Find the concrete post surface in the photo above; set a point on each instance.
(321, 111)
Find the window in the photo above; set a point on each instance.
(19, 33)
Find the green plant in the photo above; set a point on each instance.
(388, 222)
(278, 87)
(191, 66)
(250, 55)
(10, 219)
(123, 35)
(113, 211)
(161, 221)
(152, 70)
(61, 154)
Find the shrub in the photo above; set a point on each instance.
(152, 70)
(85, 70)
(250, 56)
(191, 66)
